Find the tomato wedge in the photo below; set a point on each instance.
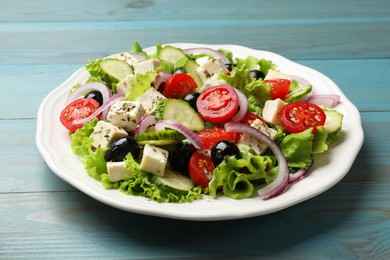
(279, 88)
(200, 168)
(214, 135)
(299, 116)
(250, 117)
(179, 85)
(217, 104)
(78, 109)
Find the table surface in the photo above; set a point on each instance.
(43, 42)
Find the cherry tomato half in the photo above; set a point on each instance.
(299, 116)
(200, 168)
(279, 88)
(179, 85)
(217, 104)
(214, 135)
(78, 109)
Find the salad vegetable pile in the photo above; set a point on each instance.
(177, 124)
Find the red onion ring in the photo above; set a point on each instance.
(281, 181)
(243, 105)
(161, 78)
(144, 123)
(327, 100)
(295, 177)
(105, 107)
(190, 135)
(92, 86)
(207, 51)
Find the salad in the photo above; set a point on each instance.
(177, 124)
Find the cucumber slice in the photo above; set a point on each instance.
(333, 122)
(115, 70)
(179, 111)
(298, 94)
(158, 138)
(171, 54)
(190, 68)
(173, 182)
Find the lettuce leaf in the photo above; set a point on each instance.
(139, 85)
(235, 183)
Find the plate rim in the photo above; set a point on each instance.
(106, 197)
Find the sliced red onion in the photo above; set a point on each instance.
(243, 105)
(295, 177)
(301, 81)
(207, 51)
(103, 109)
(327, 100)
(145, 122)
(161, 78)
(92, 86)
(281, 181)
(190, 135)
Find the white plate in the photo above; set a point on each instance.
(53, 142)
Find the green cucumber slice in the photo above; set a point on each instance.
(171, 54)
(333, 122)
(179, 111)
(298, 94)
(173, 182)
(190, 68)
(158, 138)
(115, 70)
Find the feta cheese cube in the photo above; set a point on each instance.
(145, 66)
(154, 160)
(117, 171)
(130, 58)
(150, 99)
(271, 111)
(213, 81)
(126, 114)
(105, 133)
(125, 83)
(258, 146)
(211, 67)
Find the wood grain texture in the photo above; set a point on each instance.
(71, 225)
(43, 42)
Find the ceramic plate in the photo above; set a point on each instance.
(53, 142)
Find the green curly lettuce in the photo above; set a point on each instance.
(140, 183)
(239, 178)
(139, 85)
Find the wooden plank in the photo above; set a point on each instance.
(32, 174)
(47, 44)
(167, 10)
(353, 219)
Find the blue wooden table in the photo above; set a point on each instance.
(43, 42)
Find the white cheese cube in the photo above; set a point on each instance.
(125, 83)
(150, 99)
(273, 74)
(202, 60)
(213, 81)
(257, 145)
(154, 160)
(105, 133)
(211, 67)
(126, 114)
(271, 110)
(117, 171)
(145, 66)
(130, 58)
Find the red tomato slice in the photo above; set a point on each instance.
(211, 136)
(217, 104)
(200, 168)
(279, 88)
(78, 109)
(179, 85)
(299, 116)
